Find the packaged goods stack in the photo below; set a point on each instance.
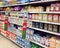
(31, 23)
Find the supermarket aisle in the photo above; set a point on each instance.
(5, 43)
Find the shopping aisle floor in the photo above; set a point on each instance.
(5, 43)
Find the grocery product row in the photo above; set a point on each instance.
(53, 7)
(15, 33)
(18, 18)
(45, 17)
(49, 27)
(10, 2)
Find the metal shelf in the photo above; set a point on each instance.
(54, 33)
(33, 12)
(30, 3)
(39, 44)
(46, 22)
(47, 12)
(12, 40)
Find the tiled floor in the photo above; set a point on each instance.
(5, 43)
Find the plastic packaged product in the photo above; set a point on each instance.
(32, 31)
(23, 1)
(41, 26)
(58, 43)
(36, 16)
(18, 1)
(8, 9)
(42, 41)
(40, 17)
(30, 37)
(18, 8)
(27, 36)
(27, 30)
(33, 24)
(1, 3)
(17, 32)
(50, 27)
(29, 24)
(6, 24)
(57, 7)
(38, 38)
(45, 17)
(50, 17)
(47, 41)
(27, 44)
(48, 9)
(55, 18)
(23, 34)
(45, 26)
(13, 36)
(53, 7)
(27, 0)
(55, 28)
(30, 16)
(34, 46)
(34, 37)
(33, 16)
(52, 42)
(37, 25)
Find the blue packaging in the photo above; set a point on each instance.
(23, 1)
(18, 1)
(27, 44)
(27, 0)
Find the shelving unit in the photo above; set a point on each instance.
(54, 33)
(39, 44)
(30, 3)
(12, 40)
(34, 12)
(46, 22)
(33, 28)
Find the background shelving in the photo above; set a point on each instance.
(29, 11)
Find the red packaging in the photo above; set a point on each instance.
(24, 25)
(53, 7)
(10, 35)
(55, 18)
(3, 31)
(7, 33)
(50, 17)
(13, 36)
(57, 7)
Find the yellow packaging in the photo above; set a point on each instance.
(1, 3)
(13, 2)
(47, 8)
(58, 43)
(41, 9)
(52, 42)
(8, 9)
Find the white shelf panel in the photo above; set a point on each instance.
(33, 12)
(46, 22)
(39, 44)
(12, 40)
(47, 12)
(31, 3)
(12, 11)
(54, 33)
